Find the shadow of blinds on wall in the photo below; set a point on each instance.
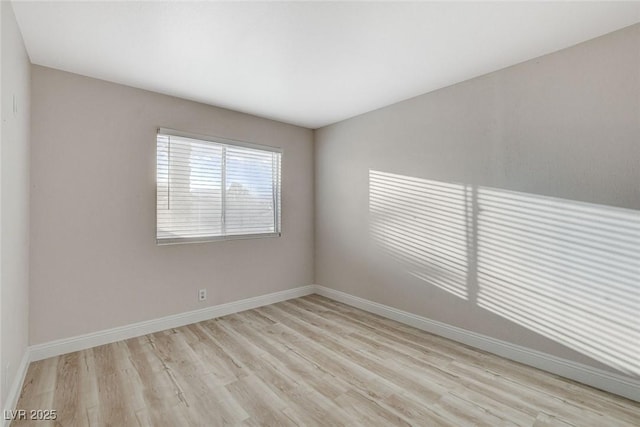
(565, 269)
(422, 225)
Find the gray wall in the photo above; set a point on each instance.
(95, 264)
(14, 201)
(507, 204)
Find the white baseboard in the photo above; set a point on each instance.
(82, 342)
(16, 387)
(598, 378)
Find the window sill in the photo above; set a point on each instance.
(207, 239)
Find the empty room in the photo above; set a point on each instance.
(320, 213)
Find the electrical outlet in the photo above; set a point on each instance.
(202, 295)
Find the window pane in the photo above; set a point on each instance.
(211, 189)
(192, 206)
(250, 196)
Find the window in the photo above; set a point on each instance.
(211, 189)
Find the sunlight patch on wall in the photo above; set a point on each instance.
(567, 270)
(422, 224)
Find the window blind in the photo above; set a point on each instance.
(211, 189)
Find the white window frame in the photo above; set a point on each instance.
(233, 143)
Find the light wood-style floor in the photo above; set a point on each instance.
(309, 361)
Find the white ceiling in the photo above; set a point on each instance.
(309, 64)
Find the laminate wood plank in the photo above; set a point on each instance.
(67, 389)
(263, 405)
(531, 399)
(88, 386)
(544, 420)
(299, 397)
(419, 362)
(509, 410)
(220, 363)
(524, 376)
(40, 378)
(387, 369)
(406, 335)
(201, 396)
(462, 412)
(312, 400)
(114, 409)
(411, 410)
(368, 411)
(334, 363)
(38, 390)
(159, 391)
(309, 361)
(372, 363)
(289, 362)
